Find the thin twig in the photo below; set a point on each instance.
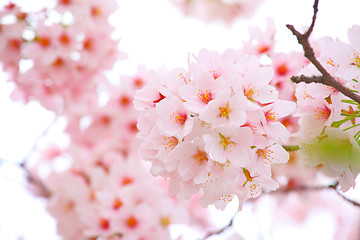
(29, 177)
(326, 78)
(356, 204)
(36, 142)
(317, 188)
(220, 231)
(306, 188)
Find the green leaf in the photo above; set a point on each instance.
(350, 102)
(291, 148)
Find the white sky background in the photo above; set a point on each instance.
(155, 34)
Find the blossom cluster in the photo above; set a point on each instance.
(96, 187)
(263, 44)
(224, 10)
(110, 198)
(58, 55)
(105, 190)
(329, 123)
(214, 129)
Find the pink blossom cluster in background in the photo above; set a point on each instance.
(223, 10)
(105, 191)
(58, 56)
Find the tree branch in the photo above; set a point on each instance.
(326, 78)
(306, 188)
(36, 142)
(307, 79)
(316, 188)
(356, 204)
(222, 229)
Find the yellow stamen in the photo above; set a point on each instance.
(271, 116)
(224, 111)
(200, 158)
(265, 154)
(226, 143)
(322, 113)
(178, 118)
(205, 96)
(356, 59)
(165, 221)
(170, 142)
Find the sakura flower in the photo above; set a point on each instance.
(193, 160)
(228, 144)
(218, 65)
(225, 111)
(314, 110)
(201, 91)
(254, 185)
(272, 113)
(259, 90)
(174, 120)
(345, 56)
(11, 43)
(220, 186)
(261, 42)
(266, 156)
(286, 66)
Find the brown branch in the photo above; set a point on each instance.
(311, 28)
(356, 204)
(307, 79)
(36, 142)
(30, 179)
(306, 188)
(326, 78)
(220, 231)
(317, 188)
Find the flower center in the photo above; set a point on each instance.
(265, 154)
(200, 158)
(131, 222)
(224, 111)
(322, 113)
(117, 203)
(104, 223)
(215, 74)
(178, 118)
(271, 116)
(250, 91)
(355, 60)
(282, 69)
(255, 189)
(165, 221)
(205, 96)
(226, 142)
(170, 142)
